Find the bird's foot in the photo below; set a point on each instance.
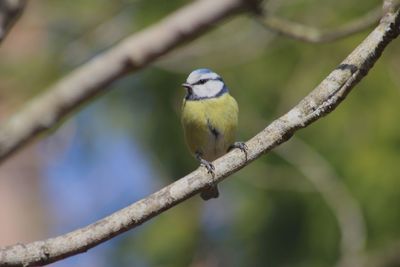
(241, 145)
(211, 191)
(208, 165)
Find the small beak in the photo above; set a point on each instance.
(187, 85)
(188, 88)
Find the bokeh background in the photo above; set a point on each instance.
(329, 197)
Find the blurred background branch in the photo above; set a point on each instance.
(310, 34)
(320, 102)
(10, 11)
(325, 181)
(337, 196)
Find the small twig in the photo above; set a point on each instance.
(320, 102)
(313, 35)
(10, 11)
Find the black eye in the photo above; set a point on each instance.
(202, 81)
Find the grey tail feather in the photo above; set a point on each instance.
(211, 192)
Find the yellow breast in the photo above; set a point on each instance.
(210, 125)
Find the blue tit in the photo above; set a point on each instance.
(209, 119)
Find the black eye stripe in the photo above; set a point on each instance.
(203, 81)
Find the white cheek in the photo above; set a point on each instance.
(200, 90)
(215, 86)
(210, 89)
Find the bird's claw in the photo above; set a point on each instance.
(208, 165)
(211, 191)
(241, 145)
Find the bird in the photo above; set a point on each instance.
(209, 118)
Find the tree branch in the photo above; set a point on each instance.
(132, 54)
(321, 101)
(313, 35)
(10, 10)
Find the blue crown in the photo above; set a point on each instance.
(202, 71)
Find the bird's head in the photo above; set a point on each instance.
(204, 83)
